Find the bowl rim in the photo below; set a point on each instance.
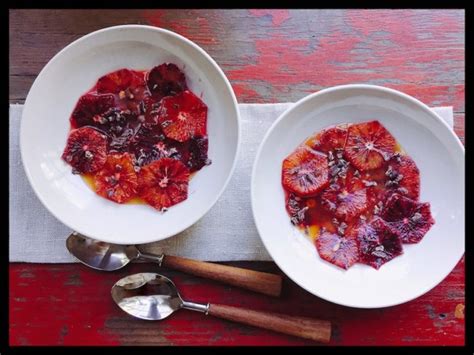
(282, 116)
(160, 30)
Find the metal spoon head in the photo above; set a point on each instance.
(100, 255)
(147, 296)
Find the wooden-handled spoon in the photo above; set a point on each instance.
(109, 257)
(152, 296)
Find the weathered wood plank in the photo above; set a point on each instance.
(71, 305)
(281, 56)
(269, 56)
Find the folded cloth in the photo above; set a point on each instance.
(227, 232)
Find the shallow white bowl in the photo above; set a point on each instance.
(45, 126)
(439, 156)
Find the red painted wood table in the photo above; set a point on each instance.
(269, 56)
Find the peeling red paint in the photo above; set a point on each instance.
(442, 95)
(278, 16)
(417, 41)
(87, 316)
(50, 310)
(281, 62)
(368, 22)
(417, 52)
(391, 56)
(245, 93)
(372, 47)
(155, 17)
(186, 26)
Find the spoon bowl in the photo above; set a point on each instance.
(153, 296)
(109, 257)
(100, 255)
(147, 296)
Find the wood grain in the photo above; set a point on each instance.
(81, 312)
(268, 56)
(262, 282)
(303, 327)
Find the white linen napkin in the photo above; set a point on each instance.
(227, 232)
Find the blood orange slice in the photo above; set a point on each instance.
(90, 110)
(411, 219)
(183, 116)
(338, 250)
(305, 172)
(117, 180)
(198, 153)
(165, 80)
(403, 177)
(86, 150)
(378, 243)
(346, 200)
(368, 145)
(330, 139)
(164, 183)
(118, 81)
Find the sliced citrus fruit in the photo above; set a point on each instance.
(403, 177)
(119, 80)
(411, 219)
(165, 80)
(90, 109)
(86, 150)
(183, 116)
(117, 180)
(305, 172)
(368, 145)
(330, 139)
(338, 250)
(378, 243)
(197, 148)
(164, 183)
(346, 200)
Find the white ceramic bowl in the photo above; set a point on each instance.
(45, 126)
(439, 156)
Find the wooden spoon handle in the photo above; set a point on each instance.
(318, 330)
(268, 284)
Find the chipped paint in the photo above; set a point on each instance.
(52, 307)
(86, 315)
(269, 56)
(277, 16)
(192, 24)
